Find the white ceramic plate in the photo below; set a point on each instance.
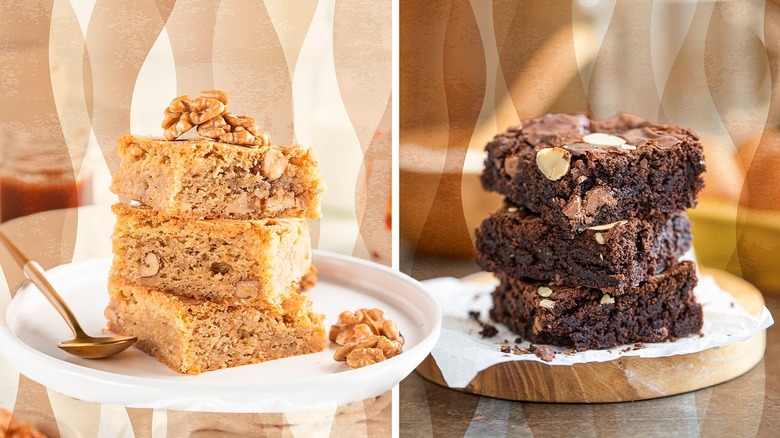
(30, 330)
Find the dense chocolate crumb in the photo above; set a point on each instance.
(518, 351)
(543, 352)
(488, 331)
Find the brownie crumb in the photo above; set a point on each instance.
(625, 350)
(520, 351)
(504, 348)
(543, 352)
(518, 340)
(639, 346)
(488, 331)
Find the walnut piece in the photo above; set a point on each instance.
(351, 326)
(309, 279)
(360, 357)
(150, 265)
(247, 288)
(220, 95)
(238, 130)
(274, 164)
(366, 338)
(184, 113)
(368, 351)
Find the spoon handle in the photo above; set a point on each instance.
(34, 273)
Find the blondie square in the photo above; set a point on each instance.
(663, 308)
(204, 178)
(577, 172)
(192, 336)
(258, 262)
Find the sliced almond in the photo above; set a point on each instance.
(600, 138)
(607, 299)
(607, 226)
(553, 162)
(547, 304)
(544, 291)
(599, 238)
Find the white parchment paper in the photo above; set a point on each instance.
(461, 352)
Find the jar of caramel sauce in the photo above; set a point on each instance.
(36, 175)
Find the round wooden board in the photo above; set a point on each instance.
(627, 378)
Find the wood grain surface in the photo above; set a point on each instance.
(627, 378)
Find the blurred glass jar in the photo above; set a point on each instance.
(37, 174)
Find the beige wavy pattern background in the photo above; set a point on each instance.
(470, 69)
(315, 72)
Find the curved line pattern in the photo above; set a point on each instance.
(116, 53)
(361, 41)
(249, 61)
(193, 51)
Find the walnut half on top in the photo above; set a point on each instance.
(208, 113)
(240, 130)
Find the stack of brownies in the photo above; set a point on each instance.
(211, 248)
(588, 245)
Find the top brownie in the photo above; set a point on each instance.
(578, 173)
(203, 178)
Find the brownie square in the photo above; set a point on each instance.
(516, 243)
(663, 308)
(554, 167)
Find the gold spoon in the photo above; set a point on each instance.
(82, 345)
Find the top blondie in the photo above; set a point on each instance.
(232, 172)
(579, 173)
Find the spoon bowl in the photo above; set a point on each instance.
(82, 345)
(96, 348)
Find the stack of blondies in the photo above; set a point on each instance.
(588, 244)
(211, 243)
